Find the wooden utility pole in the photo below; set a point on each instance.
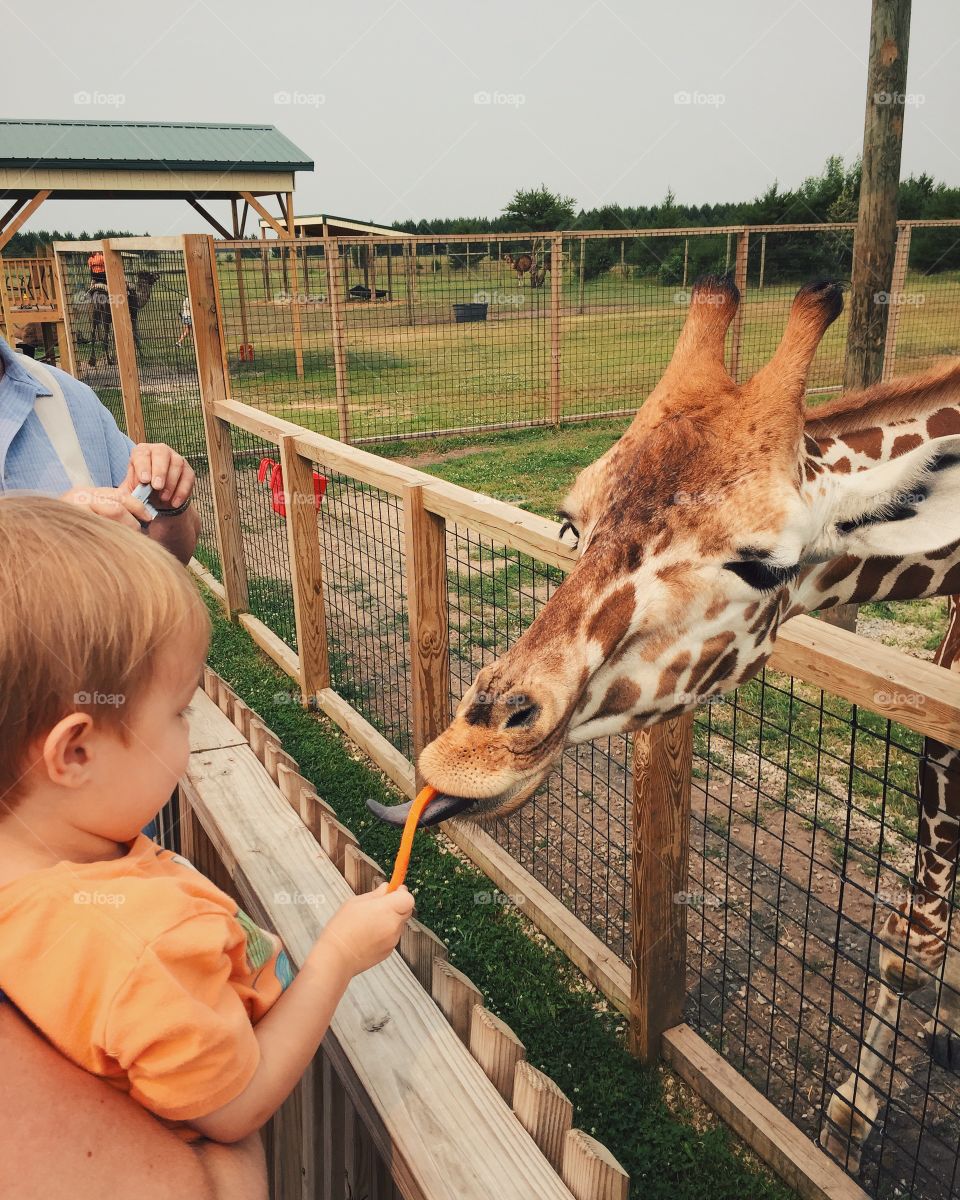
(876, 237)
(875, 241)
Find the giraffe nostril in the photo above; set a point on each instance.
(524, 717)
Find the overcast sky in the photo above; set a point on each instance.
(419, 108)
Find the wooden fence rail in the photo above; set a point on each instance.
(916, 694)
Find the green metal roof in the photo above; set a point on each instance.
(146, 145)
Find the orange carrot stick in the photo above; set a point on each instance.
(424, 796)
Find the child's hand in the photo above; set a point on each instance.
(365, 930)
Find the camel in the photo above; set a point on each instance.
(723, 511)
(138, 294)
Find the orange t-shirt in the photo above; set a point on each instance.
(142, 971)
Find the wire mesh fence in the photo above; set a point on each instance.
(804, 810)
(166, 364)
(803, 842)
(378, 339)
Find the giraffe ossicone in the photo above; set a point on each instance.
(723, 510)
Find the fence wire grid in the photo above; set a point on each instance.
(379, 339)
(804, 808)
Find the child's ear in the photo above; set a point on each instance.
(67, 750)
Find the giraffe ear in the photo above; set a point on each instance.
(908, 506)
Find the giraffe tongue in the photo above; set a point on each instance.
(439, 809)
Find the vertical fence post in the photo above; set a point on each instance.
(662, 768)
(901, 260)
(295, 295)
(212, 375)
(331, 252)
(425, 547)
(68, 361)
(763, 261)
(125, 343)
(306, 571)
(686, 262)
(410, 275)
(740, 279)
(556, 317)
(583, 247)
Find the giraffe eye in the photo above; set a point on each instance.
(762, 576)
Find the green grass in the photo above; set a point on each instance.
(568, 1033)
(437, 373)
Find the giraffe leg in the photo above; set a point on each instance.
(915, 942)
(944, 1028)
(905, 966)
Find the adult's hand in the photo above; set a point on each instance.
(116, 504)
(169, 474)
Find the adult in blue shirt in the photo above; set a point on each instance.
(57, 438)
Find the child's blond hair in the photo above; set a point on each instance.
(86, 606)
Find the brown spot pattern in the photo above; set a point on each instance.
(612, 620)
(905, 442)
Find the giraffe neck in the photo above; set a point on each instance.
(849, 579)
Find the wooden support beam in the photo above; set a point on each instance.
(898, 283)
(795, 1158)
(213, 376)
(69, 361)
(336, 291)
(425, 546)
(209, 217)
(740, 279)
(662, 767)
(306, 572)
(875, 239)
(125, 343)
(12, 210)
(23, 215)
(238, 270)
(554, 398)
(258, 208)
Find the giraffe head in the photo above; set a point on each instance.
(694, 532)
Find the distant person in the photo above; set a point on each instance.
(121, 953)
(98, 268)
(186, 320)
(57, 438)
